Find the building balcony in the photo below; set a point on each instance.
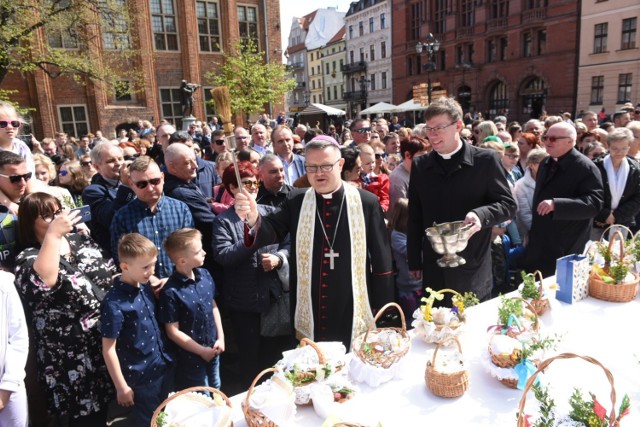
(534, 15)
(357, 96)
(296, 65)
(301, 85)
(497, 24)
(464, 31)
(353, 68)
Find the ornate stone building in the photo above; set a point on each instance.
(517, 58)
(609, 68)
(178, 39)
(367, 67)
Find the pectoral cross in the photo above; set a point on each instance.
(331, 255)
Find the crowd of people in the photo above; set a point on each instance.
(192, 230)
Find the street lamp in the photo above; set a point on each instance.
(363, 90)
(430, 47)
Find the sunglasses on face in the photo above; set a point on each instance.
(379, 156)
(250, 185)
(143, 184)
(219, 141)
(14, 123)
(63, 173)
(86, 163)
(14, 179)
(362, 130)
(131, 156)
(553, 139)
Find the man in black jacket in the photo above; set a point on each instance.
(568, 195)
(455, 182)
(108, 192)
(273, 191)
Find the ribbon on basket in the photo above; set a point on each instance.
(525, 369)
(504, 329)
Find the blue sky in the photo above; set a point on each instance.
(291, 8)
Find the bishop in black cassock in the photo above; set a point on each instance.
(331, 289)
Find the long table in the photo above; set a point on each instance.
(603, 330)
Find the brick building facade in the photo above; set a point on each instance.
(496, 56)
(177, 39)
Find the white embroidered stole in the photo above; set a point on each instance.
(362, 315)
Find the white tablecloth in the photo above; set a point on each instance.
(605, 331)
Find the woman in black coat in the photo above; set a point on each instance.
(251, 281)
(621, 179)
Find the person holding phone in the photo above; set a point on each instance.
(62, 277)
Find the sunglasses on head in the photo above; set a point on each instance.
(363, 130)
(14, 123)
(14, 179)
(143, 184)
(219, 141)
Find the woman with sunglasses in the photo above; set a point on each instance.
(71, 178)
(10, 124)
(62, 277)
(46, 173)
(250, 281)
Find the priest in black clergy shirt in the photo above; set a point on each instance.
(455, 182)
(341, 263)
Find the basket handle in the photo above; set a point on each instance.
(624, 227)
(255, 381)
(433, 359)
(617, 235)
(536, 324)
(537, 273)
(321, 357)
(380, 312)
(164, 403)
(544, 364)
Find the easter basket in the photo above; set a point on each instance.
(383, 347)
(453, 383)
(440, 324)
(539, 302)
(611, 282)
(284, 408)
(197, 404)
(583, 413)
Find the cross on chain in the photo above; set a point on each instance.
(331, 255)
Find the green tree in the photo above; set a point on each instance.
(252, 83)
(83, 39)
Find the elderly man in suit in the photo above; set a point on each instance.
(282, 139)
(568, 195)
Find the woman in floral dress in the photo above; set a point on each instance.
(61, 276)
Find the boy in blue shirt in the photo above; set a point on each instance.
(190, 314)
(133, 345)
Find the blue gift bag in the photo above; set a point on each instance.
(572, 275)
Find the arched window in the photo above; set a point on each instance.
(534, 97)
(498, 99)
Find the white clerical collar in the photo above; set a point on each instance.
(330, 195)
(448, 156)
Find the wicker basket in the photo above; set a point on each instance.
(380, 359)
(544, 364)
(436, 336)
(536, 323)
(254, 417)
(623, 292)
(160, 408)
(446, 384)
(540, 305)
